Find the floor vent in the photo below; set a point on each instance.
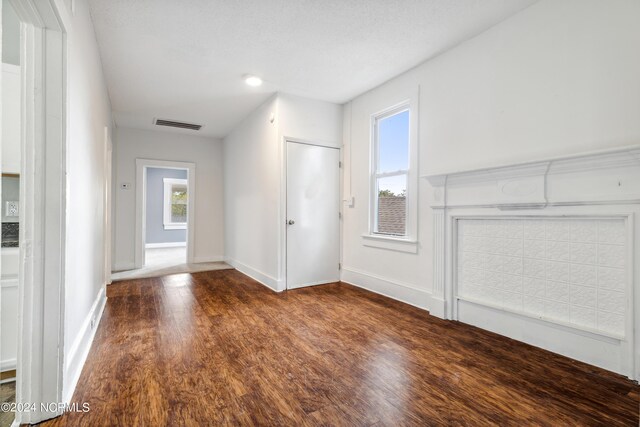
(174, 124)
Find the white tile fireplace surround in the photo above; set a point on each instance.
(543, 252)
(570, 271)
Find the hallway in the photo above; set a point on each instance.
(158, 257)
(277, 213)
(164, 261)
(218, 348)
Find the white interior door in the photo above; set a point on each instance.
(313, 209)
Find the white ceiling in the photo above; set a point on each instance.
(185, 60)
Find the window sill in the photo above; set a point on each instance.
(175, 226)
(391, 243)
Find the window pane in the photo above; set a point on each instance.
(392, 205)
(393, 143)
(179, 204)
(178, 213)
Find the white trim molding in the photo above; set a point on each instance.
(590, 186)
(108, 208)
(168, 184)
(7, 365)
(9, 282)
(43, 212)
(211, 258)
(175, 226)
(536, 185)
(260, 277)
(407, 243)
(141, 205)
(392, 243)
(393, 289)
(166, 245)
(11, 68)
(79, 350)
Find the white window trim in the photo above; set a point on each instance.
(409, 242)
(166, 203)
(400, 244)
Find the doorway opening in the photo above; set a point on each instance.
(165, 212)
(166, 225)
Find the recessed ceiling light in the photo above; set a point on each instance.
(253, 81)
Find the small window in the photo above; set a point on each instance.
(391, 173)
(175, 204)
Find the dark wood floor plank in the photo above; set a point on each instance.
(217, 348)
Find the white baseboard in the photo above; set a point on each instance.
(8, 365)
(438, 307)
(166, 245)
(393, 289)
(270, 282)
(213, 258)
(9, 282)
(10, 68)
(605, 352)
(79, 350)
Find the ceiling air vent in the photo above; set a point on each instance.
(174, 124)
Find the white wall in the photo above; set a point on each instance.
(89, 112)
(310, 120)
(252, 195)
(10, 118)
(206, 153)
(558, 78)
(10, 34)
(253, 162)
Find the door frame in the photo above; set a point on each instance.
(141, 205)
(40, 359)
(282, 253)
(108, 195)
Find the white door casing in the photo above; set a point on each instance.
(40, 361)
(108, 185)
(313, 214)
(141, 177)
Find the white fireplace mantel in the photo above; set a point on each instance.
(603, 184)
(605, 177)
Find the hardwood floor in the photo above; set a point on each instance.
(7, 395)
(217, 348)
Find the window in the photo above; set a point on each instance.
(175, 204)
(393, 199)
(391, 173)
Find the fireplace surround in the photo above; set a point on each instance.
(543, 252)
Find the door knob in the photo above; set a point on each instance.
(291, 222)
